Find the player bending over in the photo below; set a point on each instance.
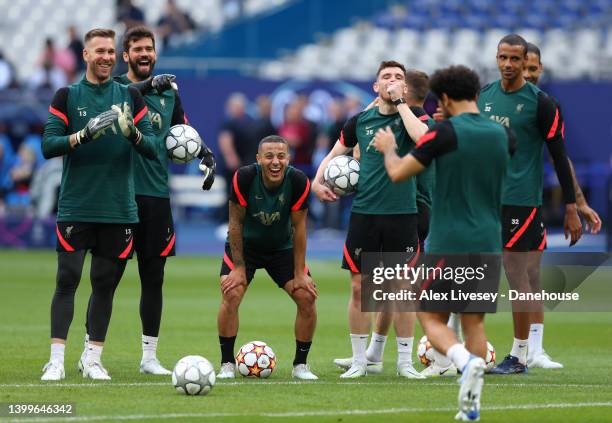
(471, 154)
(267, 230)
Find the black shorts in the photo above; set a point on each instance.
(379, 233)
(423, 223)
(523, 228)
(111, 240)
(155, 235)
(278, 264)
(472, 274)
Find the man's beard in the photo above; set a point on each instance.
(141, 75)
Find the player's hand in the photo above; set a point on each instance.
(96, 126)
(235, 278)
(373, 103)
(572, 224)
(164, 82)
(323, 192)
(593, 221)
(208, 166)
(396, 90)
(439, 115)
(305, 282)
(126, 123)
(384, 140)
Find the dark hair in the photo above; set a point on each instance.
(390, 64)
(514, 40)
(457, 82)
(532, 48)
(136, 33)
(99, 32)
(419, 84)
(272, 138)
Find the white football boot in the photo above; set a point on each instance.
(152, 366)
(374, 367)
(436, 371)
(53, 370)
(470, 390)
(95, 370)
(356, 370)
(302, 371)
(227, 371)
(543, 361)
(407, 370)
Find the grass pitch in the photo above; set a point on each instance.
(580, 392)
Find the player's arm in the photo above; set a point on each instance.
(440, 140)
(347, 141)
(592, 218)
(414, 126)
(56, 140)
(550, 124)
(159, 83)
(299, 212)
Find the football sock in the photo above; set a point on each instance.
(359, 343)
(227, 348)
(377, 347)
(441, 360)
(149, 347)
(519, 350)
(536, 337)
(454, 322)
(302, 348)
(57, 353)
(69, 268)
(404, 349)
(151, 271)
(458, 355)
(94, 352)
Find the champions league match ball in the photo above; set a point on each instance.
(183, 143)
(255, 359)
(193, 375)
(425, 352)
(342, 175)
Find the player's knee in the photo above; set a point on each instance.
(304, 299)
(233, 298)
(356, 293)
(67, 279)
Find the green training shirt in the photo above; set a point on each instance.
(98, 177)
(267, 223)
(165, 111)
(472, 155)
(376, 193)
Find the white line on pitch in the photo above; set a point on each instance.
(288, 382)
(309, 413)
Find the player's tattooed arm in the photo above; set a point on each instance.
(235, 234)
(319, 188)
(593, 221)
(301, 279)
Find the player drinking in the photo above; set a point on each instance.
(383, 216)
(471, 154)
(267, 230)
(417, 87)
(154, 238)
(95, 124)
(536, 120)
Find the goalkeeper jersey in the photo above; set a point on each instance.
(376, 193)
(267, 221)
(164, 110)
(98, 177)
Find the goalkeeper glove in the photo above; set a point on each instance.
(208, 166)
(96, 126)
(160, 83)
(126, 124)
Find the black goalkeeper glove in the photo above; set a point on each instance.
(96, 126)
(160, 83)
(208, 166)
(126, 123)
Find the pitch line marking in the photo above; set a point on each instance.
(320, 413)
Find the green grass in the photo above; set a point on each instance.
(580, 392)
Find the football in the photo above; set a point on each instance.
(255, 359)
(490, 359)
(193, 375)
(183, 143)
(342, 175)
(425, 351)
